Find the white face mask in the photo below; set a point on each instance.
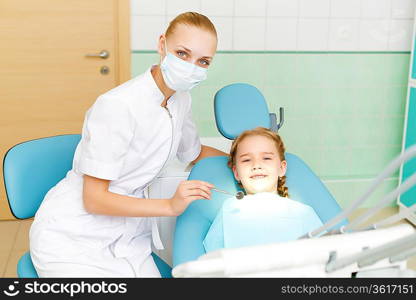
(180, 75)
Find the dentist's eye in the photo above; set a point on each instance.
(181, 54)
(267, 158)
(204, 62)
(245, 160)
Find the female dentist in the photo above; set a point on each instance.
(98, 220)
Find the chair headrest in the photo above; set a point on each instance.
(239, 107)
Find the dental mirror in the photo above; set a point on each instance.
(239, 195)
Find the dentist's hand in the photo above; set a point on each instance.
(187, 192)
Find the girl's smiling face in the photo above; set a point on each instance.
(258, 165)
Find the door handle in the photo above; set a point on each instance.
(103, 54)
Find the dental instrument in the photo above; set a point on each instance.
(239, 195)
(386, 200)
(393, 219)
(370, 256)
(397, 162)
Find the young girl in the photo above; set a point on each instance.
(257, 158)
(97, 221)
(265, 214)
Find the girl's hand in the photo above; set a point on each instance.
(187, 192)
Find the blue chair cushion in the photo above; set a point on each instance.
(25, 267)
(49, 159)
(259, 219)
(251, 105)
(164, 269)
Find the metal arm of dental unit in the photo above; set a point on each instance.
(397, 250)
(396, 163)
(274, 126)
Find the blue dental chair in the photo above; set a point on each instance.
(30, 169)
(239, 107)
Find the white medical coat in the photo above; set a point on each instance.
(126, 138)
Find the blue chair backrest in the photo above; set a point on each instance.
(304, 186)
(32, 168)
(240, 107)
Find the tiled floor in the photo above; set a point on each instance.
(14, 237)
(14, 242)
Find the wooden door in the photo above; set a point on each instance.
(47, 81)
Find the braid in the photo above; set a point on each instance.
(282, 189)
